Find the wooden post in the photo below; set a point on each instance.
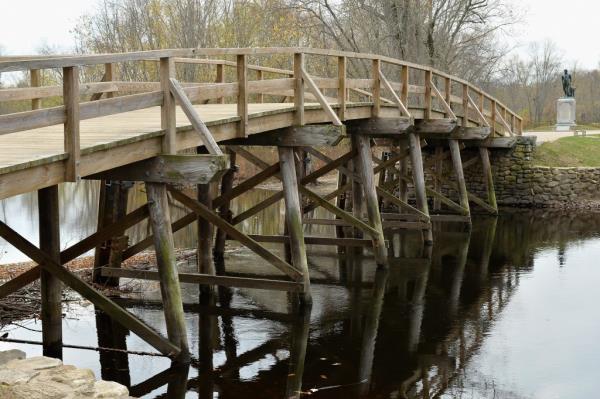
(220, 79)
(357, 197)
(36, 81)
(71, 126)
(341, 200)
(404, 92)
(242, 102)
(437, 205)
(342, 91)
(299, 337)
(260, 96)
(51, 286)
(448, 94)
(465, 100)
(225, 213)
(460, 177)
(365, 168)
(427, 110)
(416, 160)
(112, 207)
(160, 219)
(376, 93)
(110, 74)
(293, 218)
(403, 187)
(205, 241)
(168, 120)
(488, 176)
(298, 89)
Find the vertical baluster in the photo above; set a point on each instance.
(260, 96)
(242, 103)
(168, 121)
(428, 77)
(375, 70)
(220, 79)
(465, 100)
(404, 92)
(71, 126)
(342, 87)
(298, 89)
(36, 81)
(110, 74)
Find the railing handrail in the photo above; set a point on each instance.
(48, 62)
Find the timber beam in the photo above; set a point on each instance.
(295, 136)
(170, 169)
(380, 127)
(460, 133)
(442, 125)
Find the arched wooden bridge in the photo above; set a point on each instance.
(122, 131)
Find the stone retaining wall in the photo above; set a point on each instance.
(518, 182)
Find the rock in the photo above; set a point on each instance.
(13, 354)
(33, 363)
(12, 377)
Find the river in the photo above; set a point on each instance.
(505, 310)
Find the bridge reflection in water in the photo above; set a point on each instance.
(407, 332)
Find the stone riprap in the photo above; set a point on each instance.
(44, 377)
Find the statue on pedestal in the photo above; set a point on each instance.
(567, 84)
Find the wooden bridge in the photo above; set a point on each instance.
(122, 131)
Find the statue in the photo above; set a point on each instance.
(566, 84)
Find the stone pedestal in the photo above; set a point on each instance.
(565, 114)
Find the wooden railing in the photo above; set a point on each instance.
(419, 89)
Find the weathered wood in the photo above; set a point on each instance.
(35, 79)
(160, 220)
(296, 136)
(380, 127)
(401, 105)
(499, 142)
(51, 286)
(112, 207)
(71, 126)
(312, 87)
(339, 212)
(167, 121)
(228, 192)
(401, 203)
(444, 125)
(459, 174)
(206, 265)
(448, 113)
(470, 133)
(365, 169)
(242, 100)
(342, 90)
(439, 163)
(327, 241)
(123, 317)
(376, 92)
(488, 176)
(194, 118)
(225, 205)
(417, 171)
(208, 214)
(293, 218)
(298, 89)
(176, 169)
(220, 78)
(209, 280)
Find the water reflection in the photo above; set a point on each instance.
(428, 327)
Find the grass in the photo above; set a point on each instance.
(569, 151)
(552, 128)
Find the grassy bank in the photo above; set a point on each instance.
(569, 151)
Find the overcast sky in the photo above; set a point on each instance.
(27, 24)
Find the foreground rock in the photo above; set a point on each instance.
(43, 377)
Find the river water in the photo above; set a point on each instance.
(505, 310)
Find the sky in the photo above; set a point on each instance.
(28, 24)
